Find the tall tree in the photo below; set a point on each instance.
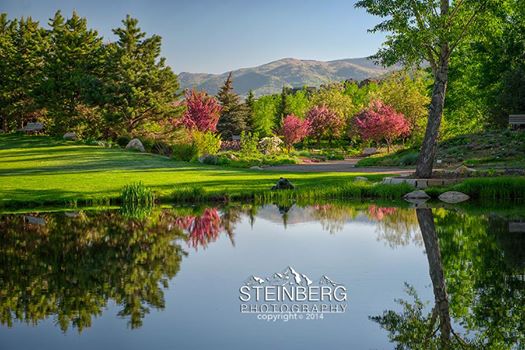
(426, 30)
(72, 74)
(233, 119)
(141, 87)
(22, 45)
(249, 104)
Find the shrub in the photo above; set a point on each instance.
(270, 145)
(249, 143)
(184, 151)
(123, 140)
(206, 143)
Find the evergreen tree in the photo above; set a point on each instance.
(72, 74)
(22, 43)
(249, 104)
(234, 115)
(141, 88)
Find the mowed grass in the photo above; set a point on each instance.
(39, 169)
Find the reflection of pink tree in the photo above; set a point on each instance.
(379, 213)
(201, 229)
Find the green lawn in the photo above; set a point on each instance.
(38, 169)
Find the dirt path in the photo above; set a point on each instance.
(347, 165)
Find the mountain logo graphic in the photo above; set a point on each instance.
(289, 277)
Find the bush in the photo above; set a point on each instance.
(206, 143)
(270, 145)
(184, 152)
(249, 143)
(123, 140)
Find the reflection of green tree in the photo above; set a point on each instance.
(396, 226)
(70, 268)
(484, 283)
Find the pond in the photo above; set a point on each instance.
(418, 278)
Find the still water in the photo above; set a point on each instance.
(417, 278)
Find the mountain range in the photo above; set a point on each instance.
(271, 77)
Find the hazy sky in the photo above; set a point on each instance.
(217, 36)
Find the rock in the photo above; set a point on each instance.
(34, 220)
(453, 197)
(208, 159)
(256, 168)
(70, 136)
(136, 145)
(369, 151)
(283, 184)
(463, 170)
(72, 214)
(360, 178)
(417, 195)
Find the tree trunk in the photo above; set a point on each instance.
(428, 230)
(427, 154)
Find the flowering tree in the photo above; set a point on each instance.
(324, 123)
(381, 122)
(294, 130)
(202, 112)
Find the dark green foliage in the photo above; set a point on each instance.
(184, 151)
(72, 75)
(234, 114)
(69, 79)
(22, 43)
(140, 86)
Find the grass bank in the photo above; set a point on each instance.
(38, 170)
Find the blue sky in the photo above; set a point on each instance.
(218, 36)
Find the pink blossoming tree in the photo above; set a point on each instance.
(324, 123)
(294, 130)
(381, 122)
(202, 112)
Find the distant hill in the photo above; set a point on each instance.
(271, 77)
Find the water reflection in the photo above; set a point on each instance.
(477, 269)
(69, 267)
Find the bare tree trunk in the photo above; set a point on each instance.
(428, 230)
(427, 154)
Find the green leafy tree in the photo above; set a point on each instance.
(335, 99)
(297, 104)
(72, 74)
(140, 86)
(265, 110)
(408, 95)
(234, 114)
(427, 30)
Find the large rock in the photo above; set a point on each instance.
(70, 136)
(136, 145)
(419, 195)
(464, 171)
(208, 159)
(283, 184)
(360, 178)
(453, 197)
(369, 151)
(33, 220)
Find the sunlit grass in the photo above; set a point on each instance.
(38, 170)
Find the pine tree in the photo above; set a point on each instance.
(141, 88)
(72, 74)
(22, 43)
(234, 114)
(249, 104)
